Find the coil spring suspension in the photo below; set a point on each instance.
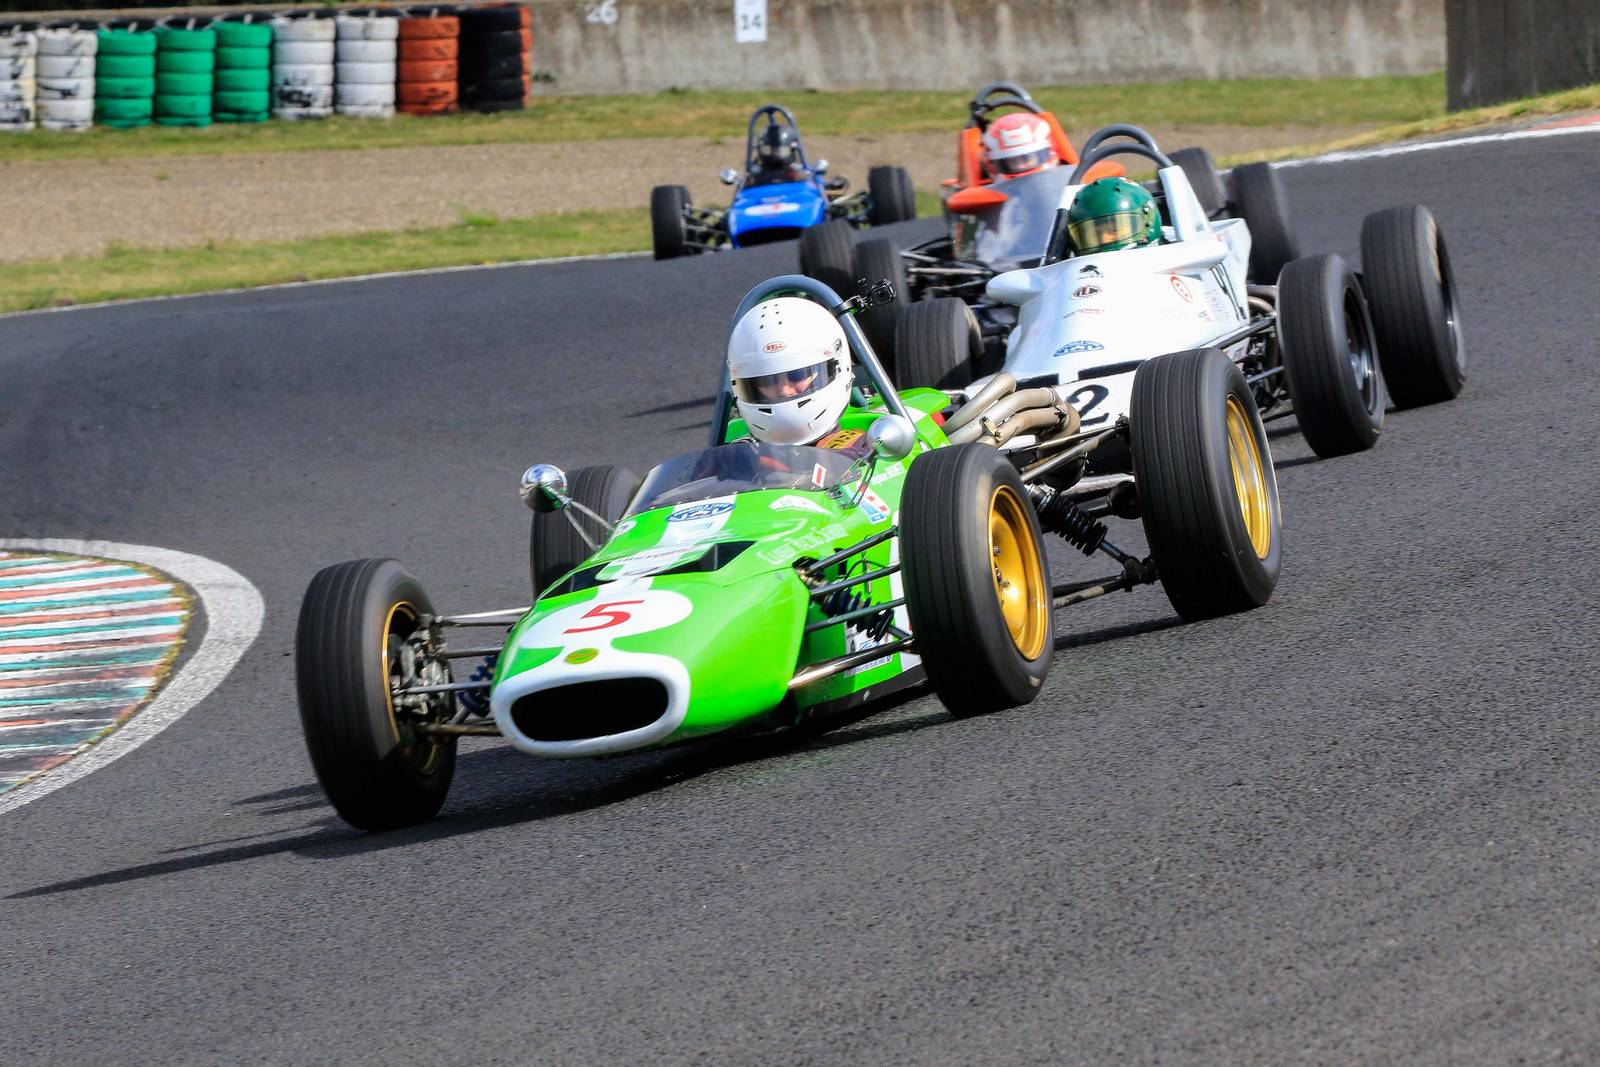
(1061, 516)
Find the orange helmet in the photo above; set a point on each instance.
(1017, 144)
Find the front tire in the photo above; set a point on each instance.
(893, 199)
(1208, 496)
(936, 345)
(554, 544)
(669, 230)
(350, 647)
(1329, 358)
(827, 253)
(1258, 198)
(976, 580)
(876, 261)
(1412, 293)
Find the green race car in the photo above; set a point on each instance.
(749, 587)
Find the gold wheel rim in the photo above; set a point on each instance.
(1249, 479)
(1019, 584)
(425, 753)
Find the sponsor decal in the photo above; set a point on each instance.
(765, 210)
(1089, 271)
(582, 655)
(874, 507)
(1084, 311)
(700, 521)
(840, 439)
(792, 502)
(704, 510)
(1181, 287)
(819, 476)
(623, 527)
(651, 561)
(1086, 290)
(774, 346)
(1074, 347)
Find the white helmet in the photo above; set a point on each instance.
(790, 370)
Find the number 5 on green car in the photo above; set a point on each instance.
(836, 541)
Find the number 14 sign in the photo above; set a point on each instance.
(749, 21)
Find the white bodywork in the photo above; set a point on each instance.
(1086, 322)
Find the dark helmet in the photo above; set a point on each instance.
(777, 145)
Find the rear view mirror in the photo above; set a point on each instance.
(729, 176)
(821, 166)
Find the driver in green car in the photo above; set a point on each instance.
(1110, 214)
(789, 366)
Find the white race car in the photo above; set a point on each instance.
(1320, 344)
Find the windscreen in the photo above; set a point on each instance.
(1015, 233)
(740, 467)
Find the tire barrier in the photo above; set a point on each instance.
(18, 49)
(242, 89)
(301, 86)
(251, 66)
(65, 98)
(125, 75)
(494, 63)
(364, 67)
(429, 70)
(186, 59)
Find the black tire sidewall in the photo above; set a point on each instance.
(956, 620)
(936, 345)
(1258, 198)
(827, 253)
(668, 230)
(1421, 357)
(1313, 338)
(879, 260)
(554, 547)
(1190, 512)
(892, 194)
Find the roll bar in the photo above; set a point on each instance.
(843, 310)
(981, 105)
(771, 112)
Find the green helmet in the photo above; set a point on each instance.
(1112, 213)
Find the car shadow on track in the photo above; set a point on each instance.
(497, 786)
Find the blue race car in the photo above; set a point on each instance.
(779, 195)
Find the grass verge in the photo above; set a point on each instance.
(721, 116)
(123, 273)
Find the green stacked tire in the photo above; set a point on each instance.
(244, 72)
(125, 78)
(186, 59)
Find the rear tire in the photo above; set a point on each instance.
(554, 546)
(1258, 198)
(1412, 293)
(976, 579)
(879, 260)
(893, 199)
(936, 345)
(668, 229)
(377, 773)
(827, 253)
(1204, 177)
(1202, 465)
(1329, 359)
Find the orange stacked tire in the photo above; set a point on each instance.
(430, 49)
(527, 51)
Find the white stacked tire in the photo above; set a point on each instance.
(65, 99)
(364, 72)
(302, 67)
(18, 69)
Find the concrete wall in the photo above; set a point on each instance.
(648, 45)
(1502, 51)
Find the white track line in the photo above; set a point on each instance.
(330, 281)
(233, 613)
(1384, 151)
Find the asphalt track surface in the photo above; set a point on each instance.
(1361, 824)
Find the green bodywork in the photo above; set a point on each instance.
(744, 636)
